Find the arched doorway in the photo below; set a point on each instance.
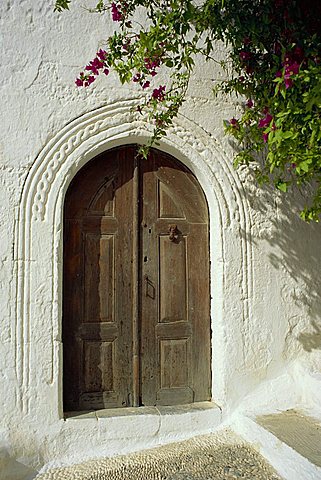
(136, 326)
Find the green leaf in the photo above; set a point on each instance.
(61, 5)
(283, 186)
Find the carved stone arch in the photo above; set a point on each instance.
(38, 251)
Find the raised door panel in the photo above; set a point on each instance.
(99, 277)
(172, 279)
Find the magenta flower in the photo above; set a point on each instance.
(292, 69)
(102, 54)
(146, 84)
(136, 77)
(159, 93)
(94, 66)
(106, 71)
(79, 82)
(249, 103)
(265, 137)
(116, 14)
(265, 122)
(234, 123)
(151, 64)
(245, 56)
(288, 82)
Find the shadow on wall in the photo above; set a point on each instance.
(296, 252)
(11, 469)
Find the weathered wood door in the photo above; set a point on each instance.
(136, 327)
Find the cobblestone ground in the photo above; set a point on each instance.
(219, 456)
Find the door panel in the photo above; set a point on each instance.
(100, 232)
(172, 277)
(99, 277)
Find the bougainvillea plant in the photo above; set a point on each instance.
(273, 62)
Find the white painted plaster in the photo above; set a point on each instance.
(265, 262)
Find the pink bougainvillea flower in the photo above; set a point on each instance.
(151, 64)
(146, 84)
(249, 103)
(264, 122)
(159, 93)
(265, 137)
(79, 82)
(102, 54)
(234, 122)
(116, 13)
(292, 69)
(288, 82)
(136, 77)
(106, 71)
(278, 74)
(94, 66)
(287, 59)
(245, 56)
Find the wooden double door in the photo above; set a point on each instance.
(136, 326)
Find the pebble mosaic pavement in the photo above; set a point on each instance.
(219, 456)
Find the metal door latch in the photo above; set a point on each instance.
(173, 233)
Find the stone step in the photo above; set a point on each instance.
(289, 440)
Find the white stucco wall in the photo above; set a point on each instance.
(265, 262)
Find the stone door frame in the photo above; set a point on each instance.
(38, 251)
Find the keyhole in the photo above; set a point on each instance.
(150, 230)
(145, 258)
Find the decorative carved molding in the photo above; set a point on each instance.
(44, 183)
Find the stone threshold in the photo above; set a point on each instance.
(160, 410)
(121, 431)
